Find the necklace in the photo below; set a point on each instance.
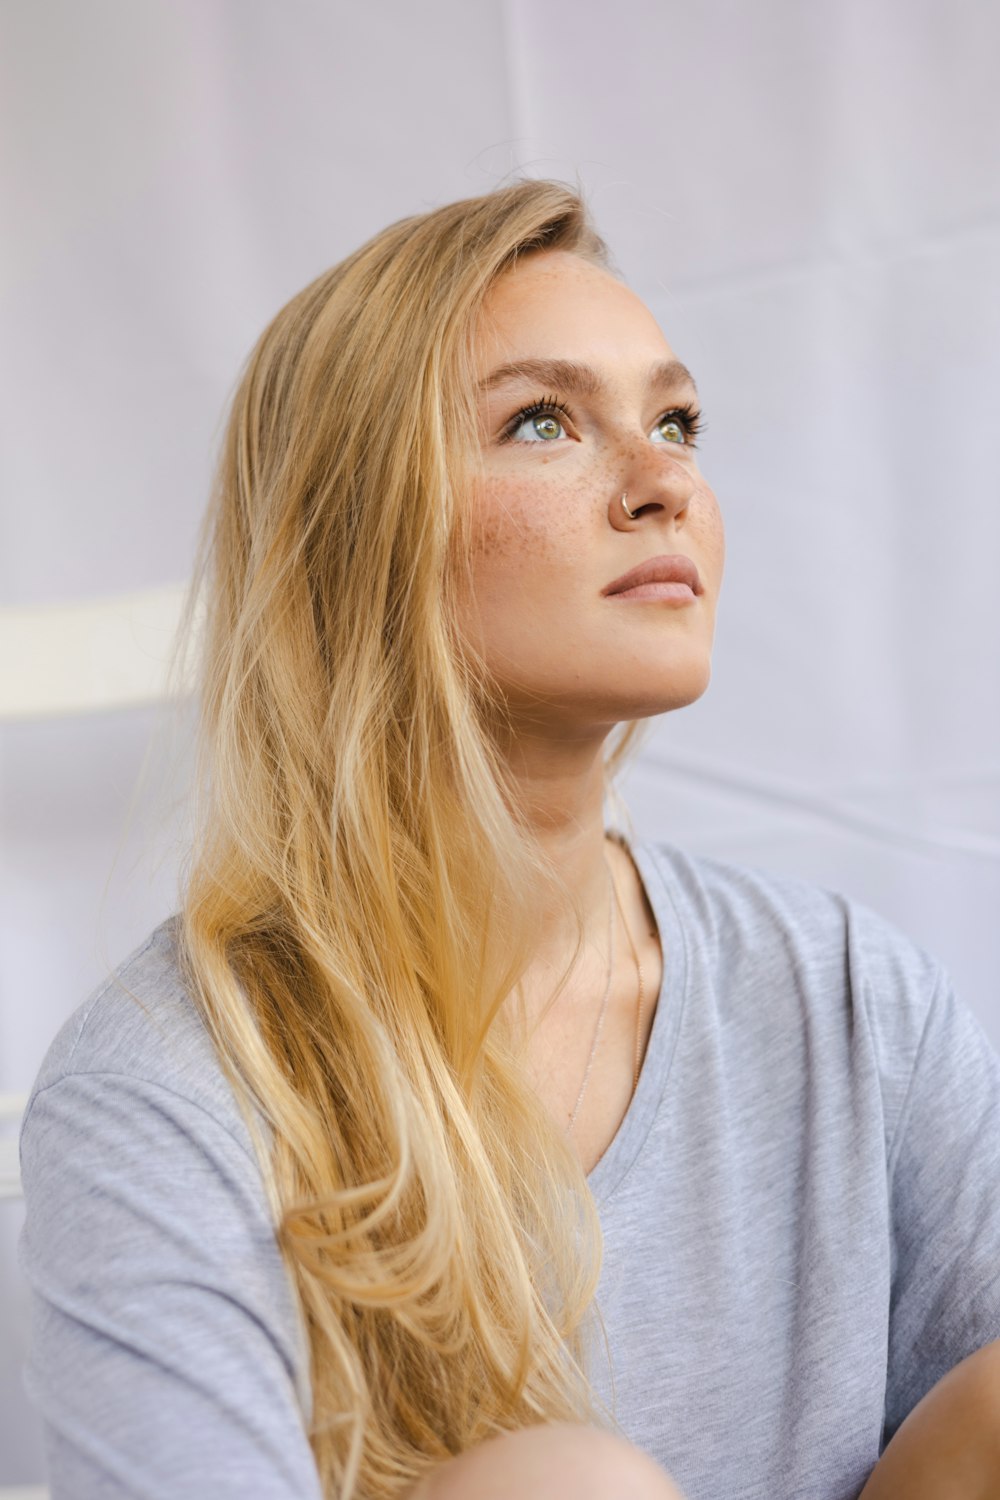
(638, 1009)
(607, 992)
(615, 900)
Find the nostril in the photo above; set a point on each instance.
(653, 505)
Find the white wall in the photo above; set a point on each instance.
(807, 195)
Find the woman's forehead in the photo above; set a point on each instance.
(556, 306)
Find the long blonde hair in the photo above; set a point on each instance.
(359, 898)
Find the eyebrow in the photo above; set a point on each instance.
(581, 380)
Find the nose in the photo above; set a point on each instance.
(654, 483)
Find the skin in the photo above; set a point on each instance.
(538, 1463)
(949, 1446)
(947, 1449)
(550, 531)
(548, 534)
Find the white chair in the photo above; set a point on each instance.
(11, 1109)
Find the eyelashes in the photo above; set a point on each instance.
(687, 416)
(545, 406)
(690, 418)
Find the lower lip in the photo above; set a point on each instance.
(665, 593)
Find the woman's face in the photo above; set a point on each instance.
(582, 399)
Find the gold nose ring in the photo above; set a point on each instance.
(630, 513)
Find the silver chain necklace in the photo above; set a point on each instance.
(607, 992)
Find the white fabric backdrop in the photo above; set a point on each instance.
(809, 198)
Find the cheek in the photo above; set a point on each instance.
(527, 526)
(710, 528)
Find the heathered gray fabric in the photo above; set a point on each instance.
(801, 1219)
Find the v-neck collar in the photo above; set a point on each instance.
(607, 1175)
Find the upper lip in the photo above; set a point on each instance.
(675, 568)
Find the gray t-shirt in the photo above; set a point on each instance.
(800, 1211)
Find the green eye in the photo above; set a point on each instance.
(671, 430)
(541, 422)
(540, 426)
(680, 426)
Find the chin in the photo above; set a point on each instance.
(645, 691)
(663, 691)
(650, 709)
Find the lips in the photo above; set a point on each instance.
(674, 568)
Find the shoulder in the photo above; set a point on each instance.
(145, 1207)
(140, 1026)
(747, 903)
(809, 947)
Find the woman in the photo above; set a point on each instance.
(318, 1185)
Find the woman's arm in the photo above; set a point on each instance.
(948, 1448)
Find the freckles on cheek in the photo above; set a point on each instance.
(499, 532)
(515, 527)
(710, 525)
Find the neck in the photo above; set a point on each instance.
(560, 790)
